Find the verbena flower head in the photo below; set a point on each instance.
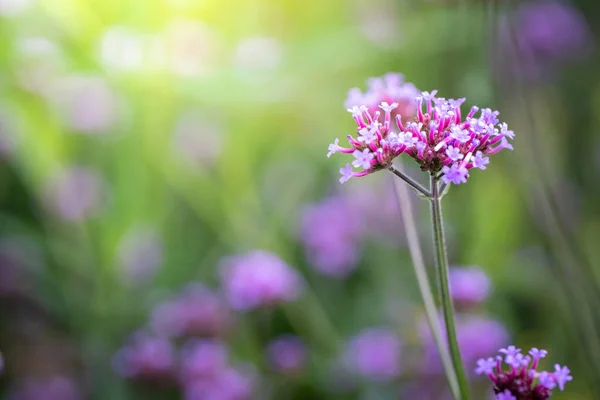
(259, 279)
(390, 88)
(374, 354)
(196, 310)
(469, 285)
(287, 354)
(521, 379)
(438, 138)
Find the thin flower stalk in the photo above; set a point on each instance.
(431, 312)
(441, 259)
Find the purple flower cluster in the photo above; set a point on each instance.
(196, 311)
(390, 88)
(522, 381)
(259, 279)
(374, 354)
(205, 373)
(437, 138)
(182, 344)
(331, 238)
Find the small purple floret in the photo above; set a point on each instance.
(522, 381)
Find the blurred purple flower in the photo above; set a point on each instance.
(202, 359)
(287, 354)
(146, 357)
(331, 231)
(374, 354)
(390, 88)
(88, 103)
(374, 201)
(52, 388)
(477, 337)
(195, 311)
(1, 364)
(552, 30)
(229, 384)
(75, 193)
(197, 139)
(258, 279)
(140, 255)
(537, 37)
(469, 286)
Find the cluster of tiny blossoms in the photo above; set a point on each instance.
(437, 138)
(522, 381)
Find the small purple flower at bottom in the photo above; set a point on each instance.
(562, 376)
(522, 381)
(506, 395)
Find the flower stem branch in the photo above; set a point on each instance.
(410, 181)
(441, 259)
(431, 311)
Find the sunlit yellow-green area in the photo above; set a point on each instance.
(144, 142)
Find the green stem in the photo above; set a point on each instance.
(415, 185)
(441, 259)
(431, 311)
